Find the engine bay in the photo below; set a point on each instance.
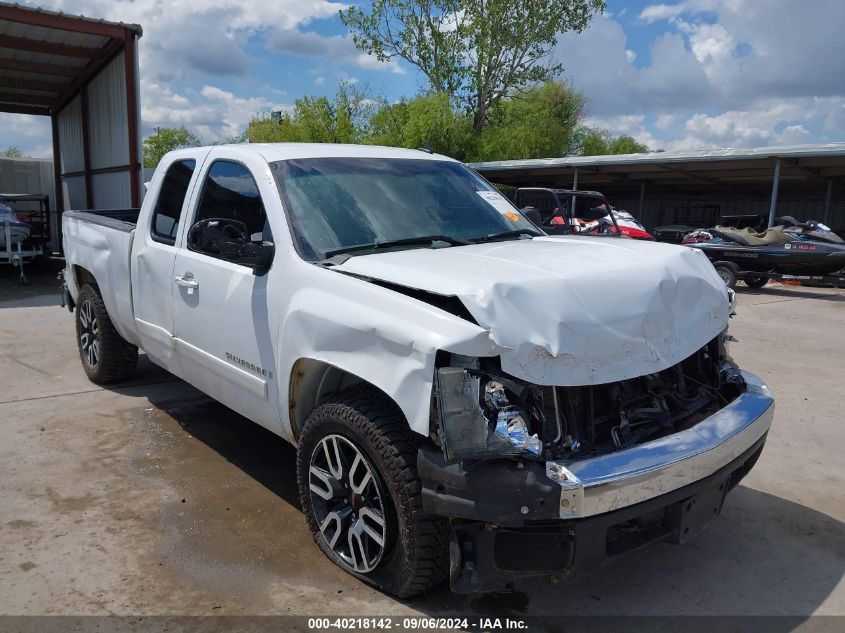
(482, 413)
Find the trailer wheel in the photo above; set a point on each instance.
(106, 356)
(360, 492)
(755, 281)
(727, 275)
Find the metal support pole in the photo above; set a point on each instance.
(574, 188)
(642, 200)
(129, 52)
(774, 202)
(827, 200)
(58, 195)
(86, 148)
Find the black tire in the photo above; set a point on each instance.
(727, 275)
(106, 356)
(755, 281)
(415, 555)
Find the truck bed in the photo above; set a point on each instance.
(121, 219)
(99, 244)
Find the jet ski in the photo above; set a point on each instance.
(790, 248)
(629, 225)
(810, 230)
(12, 230)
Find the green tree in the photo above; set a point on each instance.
(538, 123)
(12, 152)
(427, 121)
(343, 119)
(627, 145)
(164, 140)
(478, 52)
(598, 142)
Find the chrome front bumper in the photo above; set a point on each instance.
(617, 480)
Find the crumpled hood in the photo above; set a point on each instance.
(572, 310)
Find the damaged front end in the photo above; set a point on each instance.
(547, 480)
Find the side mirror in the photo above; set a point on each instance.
(259, 256)
(221, 237)
(230, 240)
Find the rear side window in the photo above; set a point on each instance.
(171, 198)
(230, 193)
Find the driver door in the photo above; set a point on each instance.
(222, 328)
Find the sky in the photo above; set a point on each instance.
(677, 75)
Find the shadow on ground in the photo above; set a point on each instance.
(764, 556)
(42, 288)
(795, 292)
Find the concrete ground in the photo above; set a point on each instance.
(148, 498)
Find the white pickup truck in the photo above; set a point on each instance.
(469, 397)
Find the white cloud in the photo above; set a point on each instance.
(597, 63)
(27, 132)
(335, 47)
(723, 73)
(208, 37)
(656, 12)
(191, 44)
(212, 113)
(630, 124)
(771, 122)
(665, 121)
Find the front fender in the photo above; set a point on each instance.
(383, 337)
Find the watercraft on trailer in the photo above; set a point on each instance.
(790, 250)
(15, 248)
(12, 230)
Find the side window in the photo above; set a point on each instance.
(171, 197)
(230, 193)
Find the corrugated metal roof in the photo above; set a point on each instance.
(45, 54)
(800, 164)
(689, 156)
(126, 25)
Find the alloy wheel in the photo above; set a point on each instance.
(346, 494)
(89, 334)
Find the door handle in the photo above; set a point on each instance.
(187, 281)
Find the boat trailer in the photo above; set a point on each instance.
(731, 273)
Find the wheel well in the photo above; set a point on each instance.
(83, 276)
(312, 382)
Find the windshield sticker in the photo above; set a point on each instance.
(500, 203)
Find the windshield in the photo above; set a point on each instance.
(336, 204)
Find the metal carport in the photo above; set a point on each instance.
(806, 181)
(83, 74)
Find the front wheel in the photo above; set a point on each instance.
(106, 356)
(360, 492)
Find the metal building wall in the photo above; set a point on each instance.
(94, 139)
(72, 155)
(658, 207)
(108, 134)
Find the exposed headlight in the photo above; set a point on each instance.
(478, 420)
(732, 301)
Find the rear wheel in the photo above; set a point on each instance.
(360, 492)
(727, 275)
(755, 281)
(106, 356)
